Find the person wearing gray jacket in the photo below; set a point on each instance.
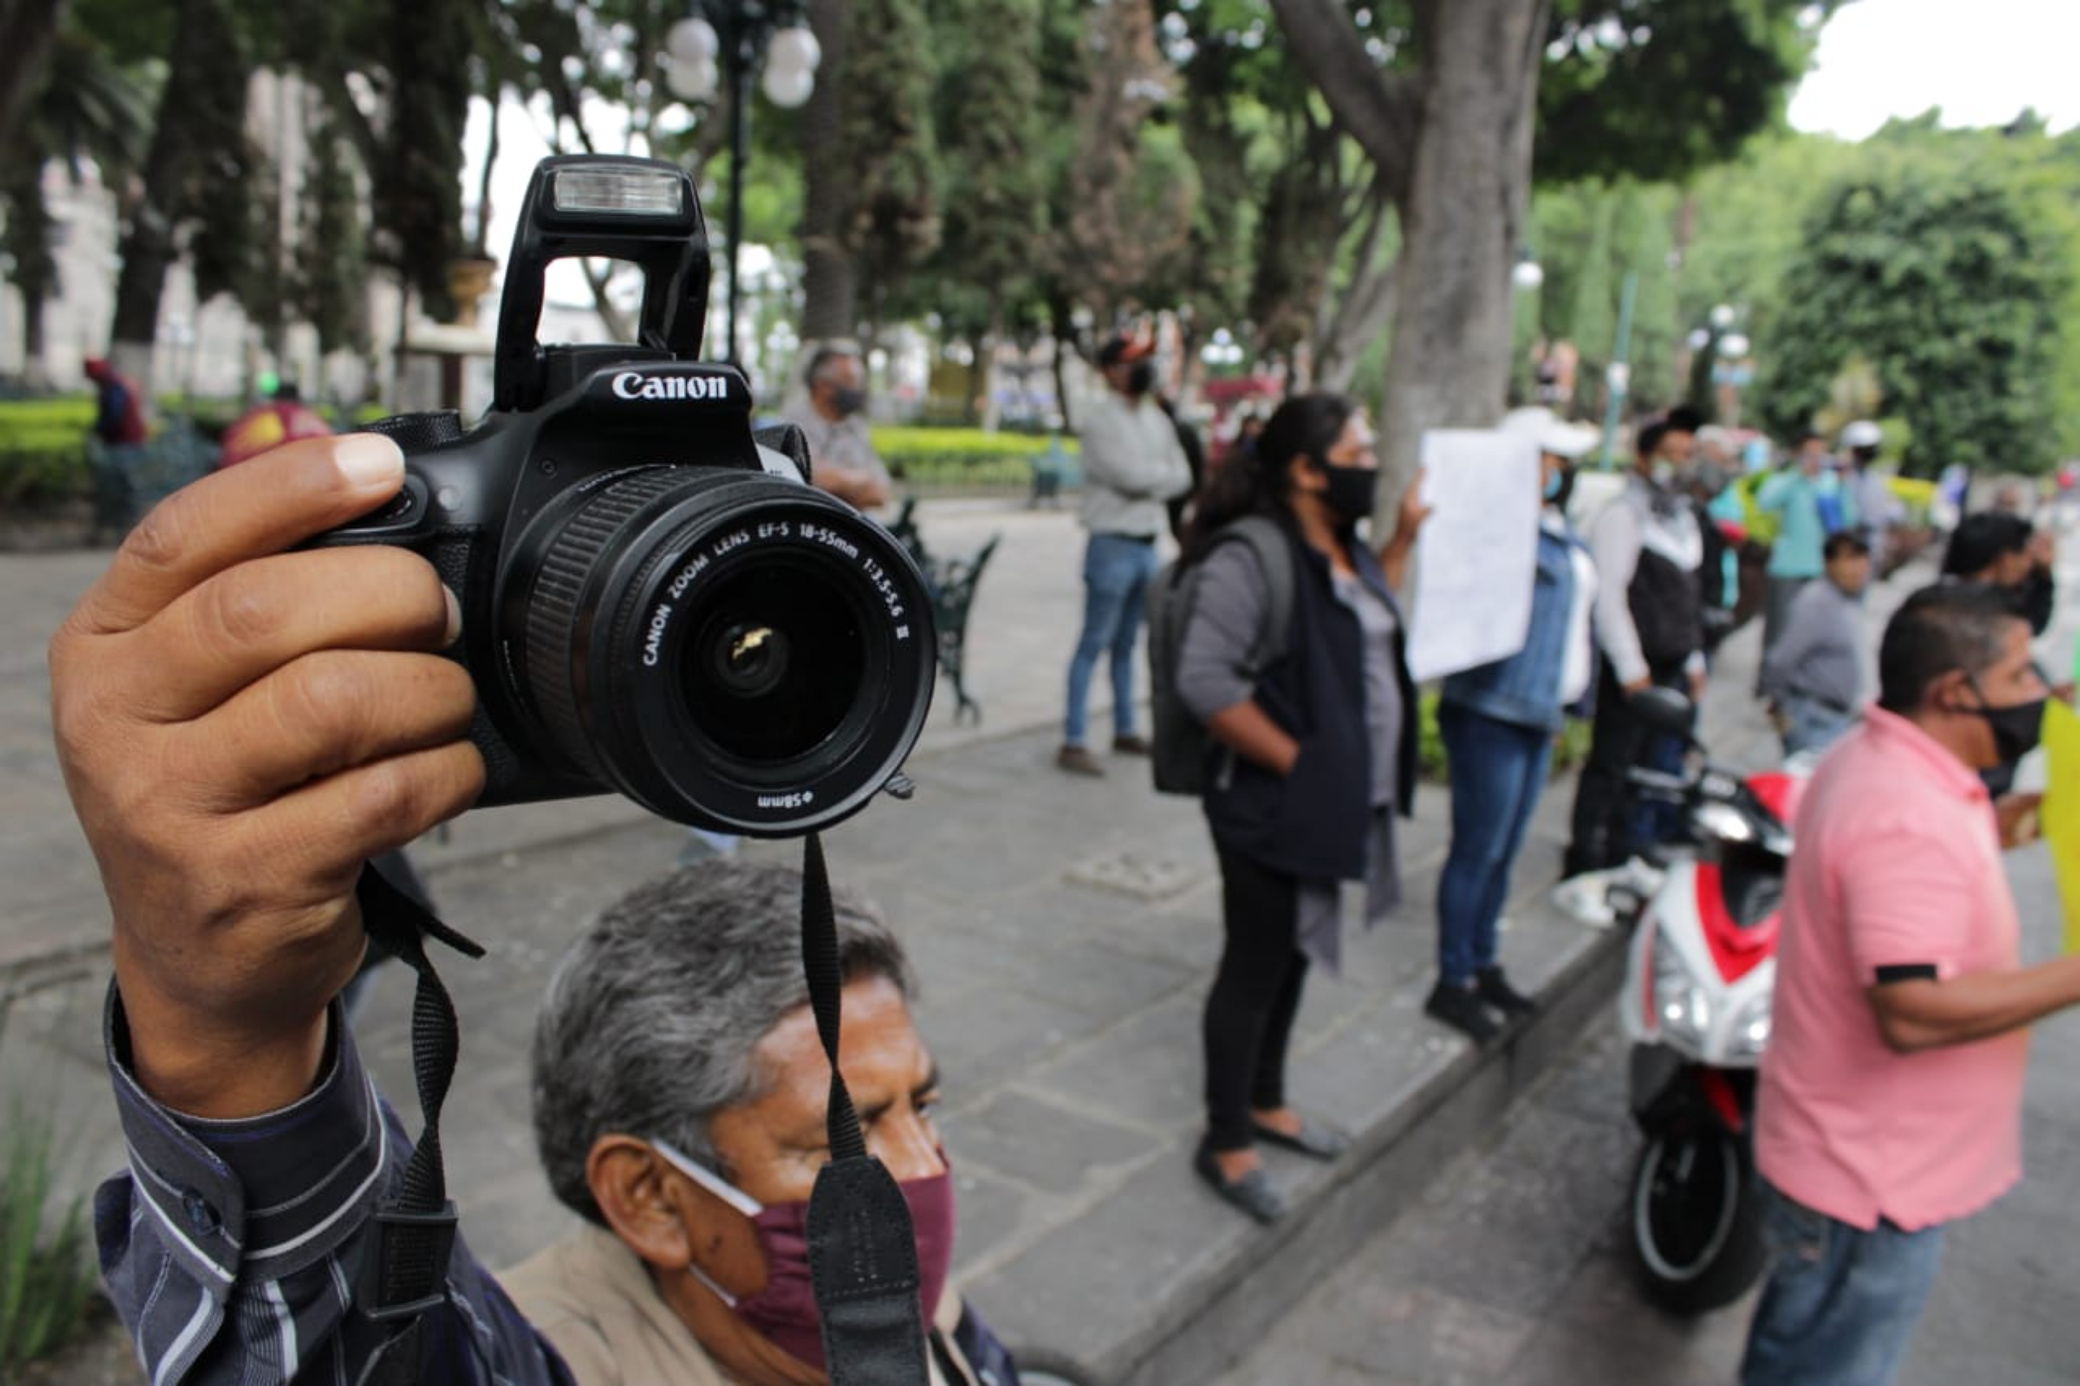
(1813, 675)
(1132, 465)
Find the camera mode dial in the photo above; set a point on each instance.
(421, 432)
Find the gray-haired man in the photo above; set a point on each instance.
(834, 421)
(679, 1093)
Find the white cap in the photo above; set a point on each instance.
(1862, 434)
(1569, 440)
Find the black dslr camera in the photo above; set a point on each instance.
(654, 600)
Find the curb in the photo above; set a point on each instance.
(1210, 1325)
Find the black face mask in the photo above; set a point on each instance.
(2016, 728)
(1141, 377)
(1353, 491)
(848, 401)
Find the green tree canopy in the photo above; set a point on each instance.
(1656, 89)
(1948, 287)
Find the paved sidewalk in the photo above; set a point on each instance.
(1065, 931)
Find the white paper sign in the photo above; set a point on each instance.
(1478, 557)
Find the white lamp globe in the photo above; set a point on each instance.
(795, 49)
(693, 81)
(1527, 274)
(786, 87)
(1733, 346)
(691, 41)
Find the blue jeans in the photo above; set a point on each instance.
(1498, 772)
(1116, 570)
(1841, 1303)
(1814, 725)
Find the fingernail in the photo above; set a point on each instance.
(454, 616)
(368, 459)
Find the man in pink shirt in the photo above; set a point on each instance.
(1891, 1095)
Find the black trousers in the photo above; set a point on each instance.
(1603, 829)
(1256, 994)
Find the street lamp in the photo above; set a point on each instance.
(1526, 274)
(1718, 360)
(732, 35)
(1223, 352)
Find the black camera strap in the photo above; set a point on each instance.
(404, 1269)
(862, 1250)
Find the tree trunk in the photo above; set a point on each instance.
(34, 368)
(1349, 321)
(830, 284)
(26, 30)
(985, 383)
(480, 244)
(1468, 188)
(147, 247)
(1061, 342)
(1364, 314)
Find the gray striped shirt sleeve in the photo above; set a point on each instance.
(231, 1249)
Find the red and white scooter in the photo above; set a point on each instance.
(1696, 1005)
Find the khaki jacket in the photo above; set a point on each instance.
(595, 1302)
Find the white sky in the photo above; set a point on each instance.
(1982, 61)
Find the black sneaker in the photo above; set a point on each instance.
(1463, 1010)
(1492, 987)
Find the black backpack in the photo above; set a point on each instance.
(1182, 749)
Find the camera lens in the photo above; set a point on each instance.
(771, 674)
(730, 649)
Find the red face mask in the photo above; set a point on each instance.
(785, 1310)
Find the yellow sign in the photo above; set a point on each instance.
(2061, 812)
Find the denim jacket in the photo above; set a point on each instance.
(1524, 689)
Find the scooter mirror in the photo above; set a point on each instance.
(1665, 710)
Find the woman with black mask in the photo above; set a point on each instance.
(1317, 753)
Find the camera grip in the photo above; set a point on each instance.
(464, 564)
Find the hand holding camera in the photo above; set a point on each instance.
(608, 584)
(241, 726)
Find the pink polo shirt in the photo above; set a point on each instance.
(1898, 863)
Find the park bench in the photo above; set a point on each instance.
(130, 481)
(951, 582)
(1053, 470)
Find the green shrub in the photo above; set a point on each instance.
(1570, 749)
(1431, 762)
(30, 480)
(964, 442)
(961, 456)
(37, 426)
(46, 1274)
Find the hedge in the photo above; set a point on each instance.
(1570, 748)
(962, 456)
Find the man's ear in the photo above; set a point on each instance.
(1951, 693)
(631, 1183)
(668, 1220)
